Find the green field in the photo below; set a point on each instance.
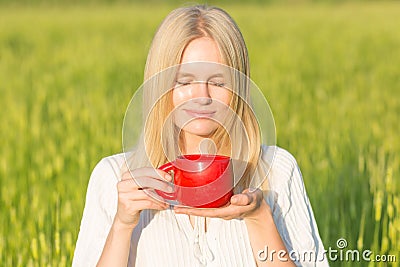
(331, 74)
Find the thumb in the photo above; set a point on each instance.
(165, 175)
(241, 199)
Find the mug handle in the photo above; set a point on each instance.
(171, 196)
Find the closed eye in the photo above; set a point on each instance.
(218, 84)
(183, 83)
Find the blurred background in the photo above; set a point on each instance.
(329, 69)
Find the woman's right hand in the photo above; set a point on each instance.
(136, 193)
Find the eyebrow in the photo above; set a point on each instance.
(218, 75)
(185, 74)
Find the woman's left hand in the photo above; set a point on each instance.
(247, 205)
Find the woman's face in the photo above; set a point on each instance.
(200, 95)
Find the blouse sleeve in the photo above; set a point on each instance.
(292, 212)
(98, 214)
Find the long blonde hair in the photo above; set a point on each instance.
(177, 30)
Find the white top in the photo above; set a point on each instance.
(163, 238)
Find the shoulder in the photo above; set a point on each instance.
(283, 166)
(112, 161)
(281, 157)
(109, 167)
(104, 177)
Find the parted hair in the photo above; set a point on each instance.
(176, 31)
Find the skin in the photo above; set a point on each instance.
(201, 91)
(132, 198)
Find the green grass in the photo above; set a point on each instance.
(329, 72)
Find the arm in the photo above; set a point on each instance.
(112, 211)
(100, 207)
(116, 249)
(267, 245)
(293, 214)
(134, 195)
(252, 207)
(285, 223)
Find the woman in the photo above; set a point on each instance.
(126, 224)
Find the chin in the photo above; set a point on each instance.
(201, 127)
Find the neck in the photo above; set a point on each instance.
(192, 144)
(195, 144)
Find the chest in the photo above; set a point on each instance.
(169, 239)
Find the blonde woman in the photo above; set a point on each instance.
(125, 224)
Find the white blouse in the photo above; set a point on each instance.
(163, 238)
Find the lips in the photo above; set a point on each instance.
(200, 113)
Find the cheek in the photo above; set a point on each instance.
(179, 96)
(222, 95)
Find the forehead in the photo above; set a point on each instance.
(203, 70)
(202, 49)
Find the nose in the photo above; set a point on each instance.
(201, 94)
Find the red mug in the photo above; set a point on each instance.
(201, 180)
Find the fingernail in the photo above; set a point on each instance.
(168, 177)
(170, 189)
(234, 199)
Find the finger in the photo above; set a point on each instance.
(196, 212)
(151, 183)
(152, 194)
(242, 199)
(226, 212)
(127, 186)
(140, 198)
(140, 195)
(149, 178)
(136, 184)
(151, 172)
(148, 204)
